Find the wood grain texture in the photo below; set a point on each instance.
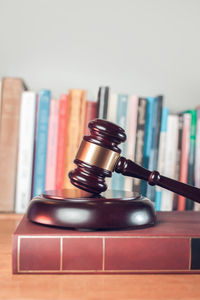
(92, 287)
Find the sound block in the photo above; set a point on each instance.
(81, 210)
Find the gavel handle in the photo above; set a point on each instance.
(129, 168)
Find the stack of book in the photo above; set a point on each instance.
(158, 140)
(40, 135)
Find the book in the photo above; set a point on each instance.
(50, 178)
(184, 157)
(139, 143)
(197, 157)
(170, 159)
(11, 92)
(112, 108)
(90, 114)
(148, 138)
(161, 156)
(25, 151)
(39, 171)
(191, 160)
(62, 140)
(121, 120)
(102, 102)
(132, 110)
(75, 130)
(153, 157)
(178, 158)
(171, 246)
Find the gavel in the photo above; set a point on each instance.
(99, 155)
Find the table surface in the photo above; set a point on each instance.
(86, 286)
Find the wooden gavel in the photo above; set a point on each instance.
(99, 156)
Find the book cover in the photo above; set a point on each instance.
(102, 102)
(148, 138)
(121, 120)
(172, 246)
(62, 139)
(184, 157)
(41, 142)
(25, 151)
(197, 157)
(139, 143)
(75, 130)
(90, 114)
(132, 112)
(50, 178)
(153, 157)
(170, 159)
(161, 156)
(191, 160)
(11, 92)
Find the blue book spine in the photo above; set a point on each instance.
(41, 142)
(163, 130)
(153, 158)
(148, 138)
(121, 120)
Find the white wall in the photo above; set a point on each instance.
(135, 46)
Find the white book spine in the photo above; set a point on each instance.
(25, 151)
(197, 162)
(170, 159)
(132, 111)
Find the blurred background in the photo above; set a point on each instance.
(144, 47)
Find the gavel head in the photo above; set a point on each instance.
(97, 156)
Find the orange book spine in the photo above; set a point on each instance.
(184, 157)
(75, 130)
(9, 134)
(61, 143)
(90, 114)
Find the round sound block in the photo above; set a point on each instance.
(81, 210)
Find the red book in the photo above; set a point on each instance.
(90, 114)
(172, 246)
(61, 142)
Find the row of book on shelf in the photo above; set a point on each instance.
(40, 135)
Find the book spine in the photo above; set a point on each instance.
(112, 108)
(90, 114)
(132, 111)
(9, 134)
(191, 160)
(139, 143)
(50, 178)
(103, 100)
(170, 159)
(25, 151)
(41, 142)
(178, 158)
(103, 254)
(161, 156)
(121, 120)
(75, 130)
(148, 138)
(197, 158)
(61, 143)
(184, 157)
(153, 158)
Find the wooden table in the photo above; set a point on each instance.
(92, 287)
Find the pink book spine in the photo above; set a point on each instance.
(61, 144)
(184, 157)
(51, 147)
